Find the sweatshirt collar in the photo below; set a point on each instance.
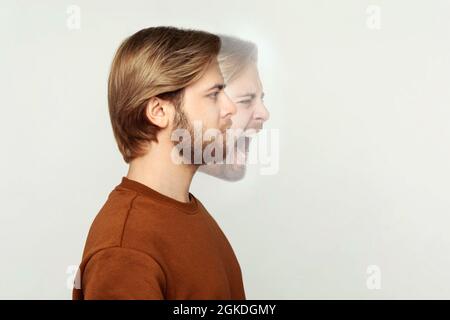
(189, 207)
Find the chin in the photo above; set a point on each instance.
(234, 172)
(227, 172)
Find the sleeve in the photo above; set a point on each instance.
(122, 274)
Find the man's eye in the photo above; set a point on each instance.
(245, 102)
(214, 95)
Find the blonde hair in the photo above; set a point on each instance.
(235, 54)
(153, 62)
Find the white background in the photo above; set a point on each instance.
(363, 116)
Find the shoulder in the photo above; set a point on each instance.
(124, 220)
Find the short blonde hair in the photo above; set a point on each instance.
(153, 62)
(235, 54)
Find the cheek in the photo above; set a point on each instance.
(205, 112)
(210, 116)
(192, 107)
(241, 118)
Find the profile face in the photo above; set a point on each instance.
(246, 93)
(205, 104)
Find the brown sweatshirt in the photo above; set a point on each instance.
(145, 245)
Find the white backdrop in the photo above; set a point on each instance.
(357, 89)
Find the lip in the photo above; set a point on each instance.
(226, 128)
(257, 129)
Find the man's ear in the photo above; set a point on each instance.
(157, 112)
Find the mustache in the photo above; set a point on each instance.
(258, 127)
(227, 125)
(239, 132)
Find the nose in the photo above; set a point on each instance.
(228, 107)
(261, 112)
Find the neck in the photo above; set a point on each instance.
(159, 172)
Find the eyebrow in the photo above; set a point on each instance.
(219, 86)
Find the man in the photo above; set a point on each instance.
(153, 239)
(238, 63)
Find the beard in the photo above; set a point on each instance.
(211, 151)
(235, 167)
